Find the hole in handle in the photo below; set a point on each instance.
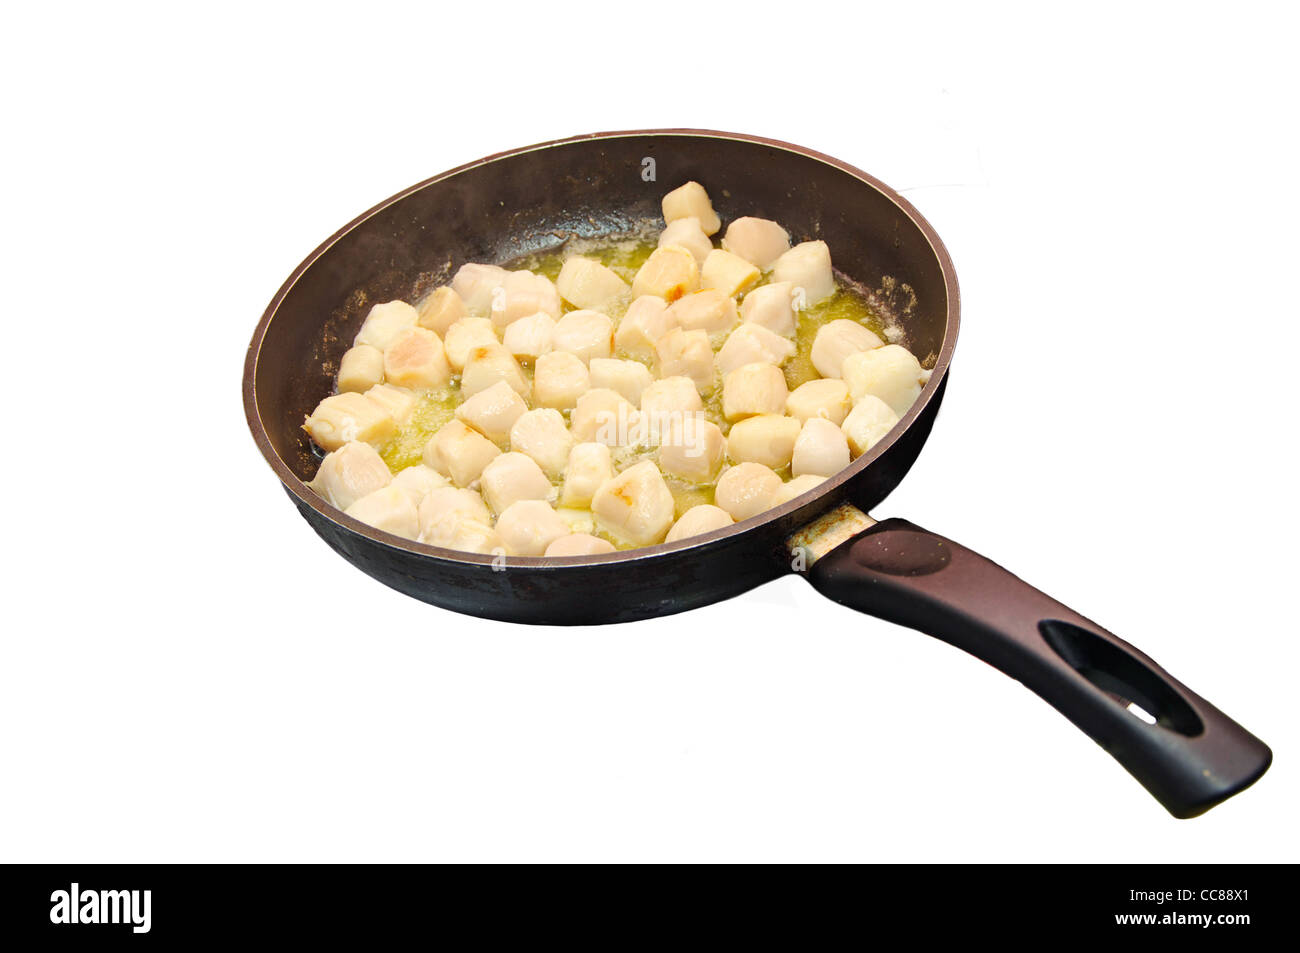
(1140, 713)
(1121, 676)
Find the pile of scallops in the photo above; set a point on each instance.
(571, 428)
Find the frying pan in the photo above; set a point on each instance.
(1186, 752)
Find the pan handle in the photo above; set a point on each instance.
(1182, 749)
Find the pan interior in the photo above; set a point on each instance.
(538, 199)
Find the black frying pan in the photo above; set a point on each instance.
(1191, 757)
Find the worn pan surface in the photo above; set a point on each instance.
(535, 198)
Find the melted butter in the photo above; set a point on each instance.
(687, 495)
(432, 409)
(847, 303)
(622, 256)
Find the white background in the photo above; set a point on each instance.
(189, 674)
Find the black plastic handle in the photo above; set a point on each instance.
(1190, 756)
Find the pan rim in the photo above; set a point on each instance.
(304, 495)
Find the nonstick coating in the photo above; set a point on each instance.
(494, 210)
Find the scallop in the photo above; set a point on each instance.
(827, 398)
(746, 490)
(586, 283)
(349, 473)
(666, 400)
(419, 481)
(589, 465)
(493, 411)
(767, 439)
(416, 359)
(523, 293)
(807, 266)
(490, 364)
(586, 334)
(668, 273)
(797, 487)
(750, 344)
(528, 527)
(869, 420)
(686, 354)
(692, 449)
(759, 241)
(710, 311)
(512, 477)
(687, 233)
(752, 390)
(388, 509)
(838, 339)
(730, 274)
(440, 310)
(690, 200)
(466, 336)
(443, 508)
(635, 505)
(385, 323)
(821, 449)
(698, 520)
(542, 435)
(342, 418)
(891, 373)
(459, 452)
(559, 380)
(530, 337)
(605, 416)
(361, 368)
(629, 378)
(647, 319)
(579, 544)
(398, 402)
(477, 285)
(772, 307)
